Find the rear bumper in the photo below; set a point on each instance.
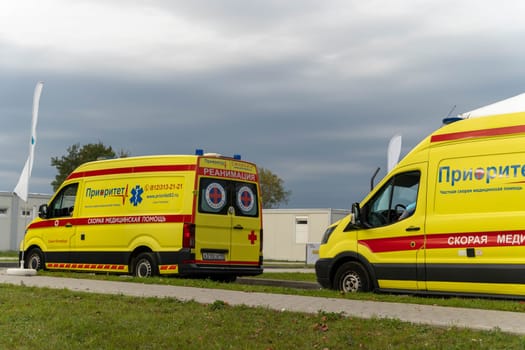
(197, 269)
(188, 266)
(322, 272)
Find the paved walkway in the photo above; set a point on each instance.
(513, 322)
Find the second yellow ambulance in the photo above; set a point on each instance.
(449, 218)
(170, 215)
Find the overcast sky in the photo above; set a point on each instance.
(312, 90)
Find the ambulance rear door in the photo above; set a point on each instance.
(246, 224)
(227, 223)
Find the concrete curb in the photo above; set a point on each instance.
(278, 283)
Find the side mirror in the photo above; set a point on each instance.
(42, 211)
(356, 214)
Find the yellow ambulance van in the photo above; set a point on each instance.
(449, 218)
(187, 215)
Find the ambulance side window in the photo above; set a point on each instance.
(64, 202)
(394, 202)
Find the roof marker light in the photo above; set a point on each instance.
(199, 152)
(450, 120)
(237, 156)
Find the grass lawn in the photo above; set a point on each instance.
(34, 318)
(50, 319)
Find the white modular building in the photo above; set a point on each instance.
(295, 234)
(15, 215)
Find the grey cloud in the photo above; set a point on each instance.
(311, 90)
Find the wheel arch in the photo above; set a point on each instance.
(31, 247)
(27, 257)
(345, 257)
(139, 250)
(34, 242)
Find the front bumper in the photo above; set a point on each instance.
(322, 272)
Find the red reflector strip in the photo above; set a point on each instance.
(80, 266)
(169, 267)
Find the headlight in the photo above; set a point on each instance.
(327, 234)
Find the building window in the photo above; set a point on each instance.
(3, 211)
(301, 229)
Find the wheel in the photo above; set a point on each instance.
(351, 277)
(34, 259)
(144, 265)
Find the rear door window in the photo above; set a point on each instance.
(213, 196)
(217, 196)
(245, 199)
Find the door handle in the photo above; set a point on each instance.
(413, 228)
(238, 227)
(68, 224)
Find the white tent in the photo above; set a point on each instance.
(509, 105)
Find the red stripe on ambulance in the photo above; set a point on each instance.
(113, 220)
(478, 133)
(446, 240)
(133, 170)
(383, 245)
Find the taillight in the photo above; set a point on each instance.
(188, 235)
(261, 241)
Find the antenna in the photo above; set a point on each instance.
(452, 110)
(372, 179)
(448, 119)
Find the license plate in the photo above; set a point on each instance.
(213, 256)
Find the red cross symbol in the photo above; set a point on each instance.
(246, 199)
(252, 237)
(215, 195)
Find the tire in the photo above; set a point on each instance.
(351, 277)
(144, 265)
(34, 259)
